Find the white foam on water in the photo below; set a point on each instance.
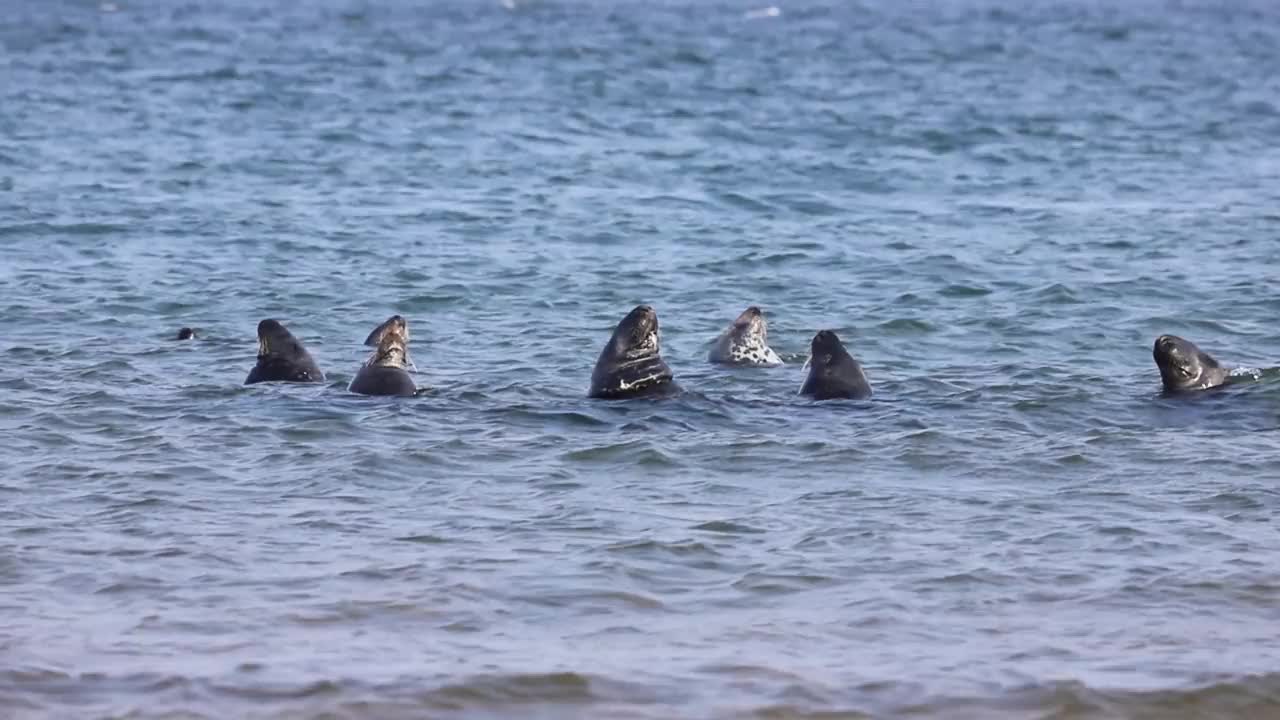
(766, 12)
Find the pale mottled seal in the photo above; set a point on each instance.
(385, 373)
(1184, 367)
(745, 342)
(833, 373)
(282, 357)
(631, 364)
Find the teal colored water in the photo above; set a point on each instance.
(997, 205)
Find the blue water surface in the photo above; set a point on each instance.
(997, 205)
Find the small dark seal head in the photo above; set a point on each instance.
(396, 324)
(631, 364)
(1184, 367)
(385, 372)
(833, 373)
(282, 357)
(745, 342)
(186, 333)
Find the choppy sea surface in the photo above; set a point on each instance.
(997, 205)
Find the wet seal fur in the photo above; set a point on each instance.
(385, 373)
(1185, 367)
(186, 333)
(631, 364)
(282, 357)
(833, 373)
(745, 342)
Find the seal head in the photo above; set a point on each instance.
(385, 372)
(631, 363)
(833, 373)
(282, 357)
(186, 333)
(745, 342)
(396, 324)
(1185, 367)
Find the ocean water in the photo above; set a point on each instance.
(998, 205)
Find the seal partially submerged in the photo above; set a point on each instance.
(186, 333)
(282, 357)
(745, 342)
(1185, 367)
(631, 363)
(384, 373)
(833, 373)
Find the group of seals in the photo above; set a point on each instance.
(283, 358)
(631, 364)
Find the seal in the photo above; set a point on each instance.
(833, 373)
(282, 357)
(385, 373)
(1185, 367)
(631, 363)
(186, 333)
(745, 342)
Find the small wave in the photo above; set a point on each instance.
(1056, 294)
(964, 291)
(227, 72)
(638, 452)
(307, 691)
(905, 326)
(728, 528)
(424, 539)
(691, 57)
(744, 202)
(775, 583)
(599, 601)
(1252, 697)
(807, 204)
(42, 229)
(684, 548)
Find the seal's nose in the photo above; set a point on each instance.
(1164, 342)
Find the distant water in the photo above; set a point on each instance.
(998, 206)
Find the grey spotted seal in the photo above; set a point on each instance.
(631, 364)
(282, 357)
(1185, 367)
(745, 342)
(833, 373)
(385, 372)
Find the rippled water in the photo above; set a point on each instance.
(998, 206)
